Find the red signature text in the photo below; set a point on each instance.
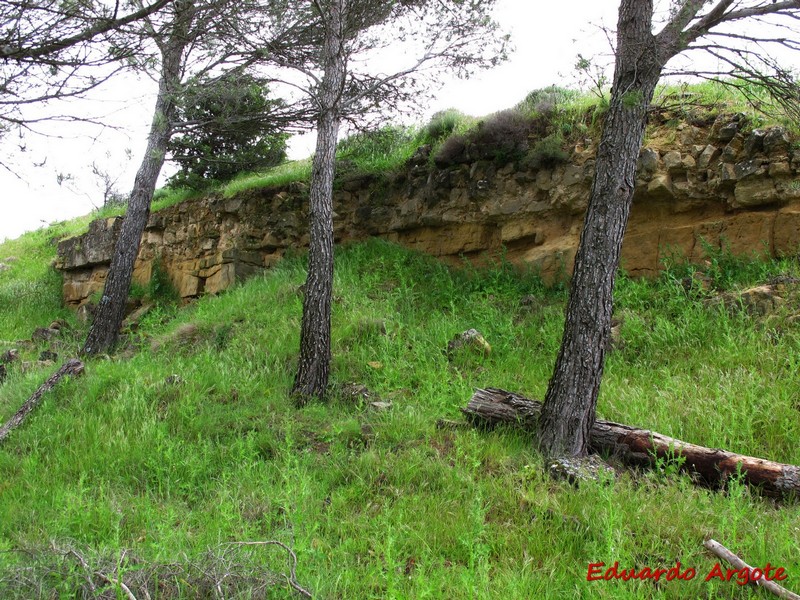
(743, 576)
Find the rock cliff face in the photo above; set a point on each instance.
(698, 185)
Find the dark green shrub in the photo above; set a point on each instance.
(160, 288)
(444, 123)
(452, 152)
(547, 153)
(546, 101)
(228, 127)
(502, 137)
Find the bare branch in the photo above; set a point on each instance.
(103, 26)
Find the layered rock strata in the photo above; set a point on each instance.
(699, 186)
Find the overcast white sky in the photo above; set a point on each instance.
(547, 37)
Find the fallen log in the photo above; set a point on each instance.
(71, 367)
(640, 447)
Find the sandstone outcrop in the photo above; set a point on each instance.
(718, 185)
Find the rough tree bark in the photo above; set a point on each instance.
(641, 447)
(111, 310)
(572, 394)
(641, 55)
(313, 368)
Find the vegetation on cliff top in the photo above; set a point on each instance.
(130, 461)
(538, 131)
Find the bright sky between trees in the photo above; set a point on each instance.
(547, 37)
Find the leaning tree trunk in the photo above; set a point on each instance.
(313, 368)
(111, 309)
(571, 399)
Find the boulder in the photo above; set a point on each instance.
(93, 248)
(754, 143)
(776, 142)
(581, 470)
(755, 192)
(757, 301)
(648, 162)
(673, 161)
(708, 154)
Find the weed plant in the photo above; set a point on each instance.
(192, 442)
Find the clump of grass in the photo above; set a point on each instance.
(379, 151)
(446, 123)
(289, 172)
(547, 101)
(547, 152)
(166, 197)
(30, 290)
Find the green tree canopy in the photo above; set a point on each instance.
(225, 126)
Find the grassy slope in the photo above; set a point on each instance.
(381, 504)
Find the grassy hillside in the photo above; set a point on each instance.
(186, 441)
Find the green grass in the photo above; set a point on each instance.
(166, 197)
(716, 97)
(30, 291)
(382, 504)
(298, 170)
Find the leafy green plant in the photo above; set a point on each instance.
(160, 288)
(669, 465)
(444, 123)
(547, 152)
(228, 128)
(547, 101)
(379, 150)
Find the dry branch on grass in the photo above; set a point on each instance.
(71, 367)
(641, 447)
(226, 571)
(722, 552)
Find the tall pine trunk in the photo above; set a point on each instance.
(571, 399)
(313, 367)
(110, 312)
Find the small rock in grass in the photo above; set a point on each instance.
(576, 470)
(48, 355)
(470, 339)
(44, 334)
(9, 356)
(381, 405)
(355, 392)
